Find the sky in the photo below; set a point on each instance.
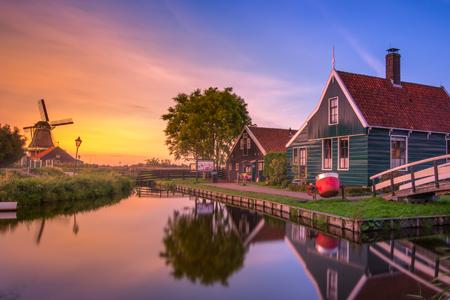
(114, 66)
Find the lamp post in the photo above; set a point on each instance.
(77, 144)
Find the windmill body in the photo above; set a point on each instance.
(42, 148)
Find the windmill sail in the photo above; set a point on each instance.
(61, 122)
(43, 110)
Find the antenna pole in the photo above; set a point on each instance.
(333, 61)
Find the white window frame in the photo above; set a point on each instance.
(406, 149)
(447, 150)
(332, 284)
(329, 111)
(339, 153)
(331, 150)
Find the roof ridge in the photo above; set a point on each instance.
(250, 126)
(407, 82)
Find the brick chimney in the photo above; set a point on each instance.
(393, 65)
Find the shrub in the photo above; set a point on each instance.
(298, 187)
(275, 168)
(28, 191)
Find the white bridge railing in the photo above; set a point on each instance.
(397, 179)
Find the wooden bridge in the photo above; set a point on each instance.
(416, 180)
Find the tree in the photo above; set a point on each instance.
(203, 125)
(275, 167)
(202, 247)
(11, 145)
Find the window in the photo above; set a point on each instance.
(302, 156)
(399, 153)
(333, 111)
(332, 284)
(260, 165)
(299, 162)
(295, 156)
(448, 149)
(343, 153)
(326, 155)
(245, 144)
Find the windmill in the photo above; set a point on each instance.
(41, 136)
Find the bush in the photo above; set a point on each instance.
(275, 168)
(298, 187)
(30, 191)
(48, 172)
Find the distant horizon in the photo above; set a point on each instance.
(114, 66)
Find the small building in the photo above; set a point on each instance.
(50, 157)
(364, 125)
(249, 149)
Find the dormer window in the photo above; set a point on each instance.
(333, 111)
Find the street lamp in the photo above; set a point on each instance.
(77, 144)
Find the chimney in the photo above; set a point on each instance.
(393, 65)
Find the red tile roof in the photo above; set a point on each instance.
(411, 106)
(272, 139)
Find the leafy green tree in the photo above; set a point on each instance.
(11, 145)
(275, 167)
(200, 251)
(204, 124)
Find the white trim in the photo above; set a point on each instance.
(447, 150)
(339, 152)
(333, 74)
(252, 136)
(338, 136)
(331, 150)
(443, 87)
(406, 149)
(329, 111)
(409, 130)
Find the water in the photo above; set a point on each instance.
(178, 248)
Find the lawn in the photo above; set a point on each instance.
(365, 209)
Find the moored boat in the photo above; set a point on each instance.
(8, 206)
(328, 184)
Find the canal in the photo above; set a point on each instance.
(185, 248)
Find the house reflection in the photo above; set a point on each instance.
(343, 270)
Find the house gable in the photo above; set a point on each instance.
(350, 119)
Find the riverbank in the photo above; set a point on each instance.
(369, 208)
(58, 187)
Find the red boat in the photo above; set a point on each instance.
(326, 245)
(328, 184)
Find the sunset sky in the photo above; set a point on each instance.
(113, 66)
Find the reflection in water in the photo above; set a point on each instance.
(384, 270)
(211, 249)
(201, 244)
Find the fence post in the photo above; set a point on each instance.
(436, 174)
(413, 180)
(392, 183)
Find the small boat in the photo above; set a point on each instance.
(328, 184)
(8, 206)
(326, 245)
(8, 215)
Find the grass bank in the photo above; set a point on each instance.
(363, 209)
(35, 190)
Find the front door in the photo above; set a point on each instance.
(254, 171)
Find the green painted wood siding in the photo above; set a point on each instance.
(348, 121)
(420, 146)
(358, 168)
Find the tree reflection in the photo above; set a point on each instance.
(202, 247)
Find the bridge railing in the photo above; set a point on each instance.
(412, 175)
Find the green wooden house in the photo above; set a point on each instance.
(363, 125)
